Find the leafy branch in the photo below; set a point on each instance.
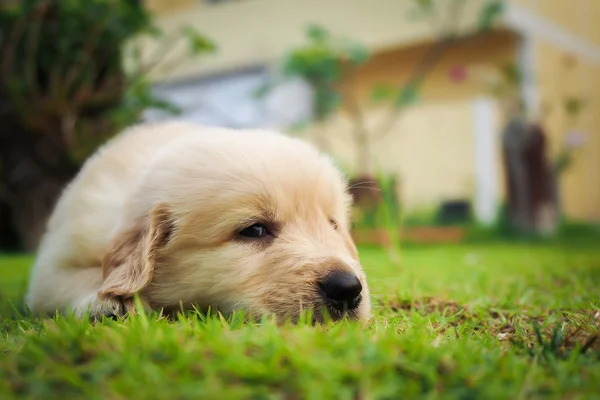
(62, 66)
(329, 64)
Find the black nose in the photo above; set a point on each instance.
(341, 290)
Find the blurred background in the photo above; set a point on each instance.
(454, 120)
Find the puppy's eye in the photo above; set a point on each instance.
(256, 231)
(333, 223)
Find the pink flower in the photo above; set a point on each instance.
(574, 140)
(458, 73)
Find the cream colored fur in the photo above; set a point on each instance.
(155, 212)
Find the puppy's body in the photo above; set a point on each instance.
(173, 212)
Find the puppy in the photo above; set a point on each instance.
(183, 215)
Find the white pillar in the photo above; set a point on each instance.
(486, 160)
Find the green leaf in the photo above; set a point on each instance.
(422, 9)
(357, 53)
(382, 93)
(408, 95)
(574, 105)
(316, 64)
(317, 33)
(198, 43)
(424, 4)
(490, 13)
(563, 162)
(326, 102)
(154, 32)
(512, 74)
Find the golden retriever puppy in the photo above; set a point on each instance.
(184, 216)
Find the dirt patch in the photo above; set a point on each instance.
(555, 331)
(426, 305)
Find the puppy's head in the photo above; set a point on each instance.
(250, 220)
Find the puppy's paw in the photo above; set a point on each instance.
(112, 308)
(108, 307)
(97, 306)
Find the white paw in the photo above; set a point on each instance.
(109, 308)
(97, 308)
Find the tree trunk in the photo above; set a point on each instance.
(54, 112)
(532, 201)
(544, 206)
(9, 240)
(30, 215)
(514, 139)
(33, 172)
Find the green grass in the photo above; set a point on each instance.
(509, 321)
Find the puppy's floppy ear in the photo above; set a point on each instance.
(129, 264)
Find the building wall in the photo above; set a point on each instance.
(431, 151)
(230, 101)
(580, 185)
(255, 32)
(432, 146)
(395, 66)
(569, 31)
(577, 16)
(258, 32)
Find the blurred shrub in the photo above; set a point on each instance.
(64, 90)
(63, 65)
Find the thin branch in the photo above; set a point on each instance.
(426, 64)
(67, 125)
(160, 54)
(10, 45)
(360, 131)
(352, 103)
(91, 45)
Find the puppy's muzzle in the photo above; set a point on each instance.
(341, 291)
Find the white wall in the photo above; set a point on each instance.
(486, 157)
(231, 101)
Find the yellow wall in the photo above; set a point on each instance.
(581, 189)
(577, 16)
(251, 32)
(594, 156)
(395, 67)
(576, 21)
(580, 185)
(431, 148)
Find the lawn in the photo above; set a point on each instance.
(463, 321)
